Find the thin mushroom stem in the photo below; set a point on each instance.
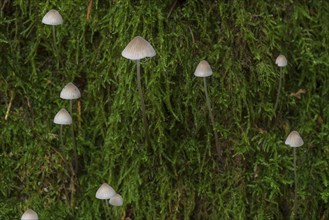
(61, 136)
(55, 46)
(279, 91)
(105, 204)
(295, 175)
(74, 143)
(142, 103)
(54, 39)
(212, 119)
(70, 108)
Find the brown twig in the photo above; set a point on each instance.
(89, 9)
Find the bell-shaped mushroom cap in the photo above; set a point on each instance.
(70, 91)
(116, 200)
(52, 17)
(138, 49)
(281, 61)
(294, 139)
(203, 69)
(105, 191)
(63, 117)
(30, 215)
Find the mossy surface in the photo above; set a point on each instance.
(179, 175)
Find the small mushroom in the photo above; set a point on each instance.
(116, 200)
(70, 92)
(105, 191)
(281, 61)
(294, 139)
(136, 50)
(204, 70)
(30, 215)
(63, 117)
(53, 17)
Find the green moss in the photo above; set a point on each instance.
(179, 175)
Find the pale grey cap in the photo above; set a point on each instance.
(203, 69)
(63, 117)
(105, 191)
(30, 215)
(294, 139)
(281, 61)
(53, 17)
(70, 91)
(116, 200)
(138, 49)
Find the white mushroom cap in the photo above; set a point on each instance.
(105, 191)
(281, 61)
(116, 200)
(52, 17)
(63, 117)
(30, 215)
(138, 49)
(203, 69)
(294, 139)
(70, 91)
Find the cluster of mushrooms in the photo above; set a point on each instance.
(106, 192)
(136, 50)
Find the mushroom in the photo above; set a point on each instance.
(30, 215)
(62, 118)
(71, 92)
(294, 140)
(105, 191)
(204, 70)
(116, 200)
(281, 61)
(136, 50)
(53, 18)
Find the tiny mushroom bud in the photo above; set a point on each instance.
(30, 215)
(70, 91)
(52, 18)
(203, 69)
(105, 191)
(294, 139)
(281, 61)
(116, 200)
(63, 117)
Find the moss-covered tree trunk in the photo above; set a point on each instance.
(179, 175)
